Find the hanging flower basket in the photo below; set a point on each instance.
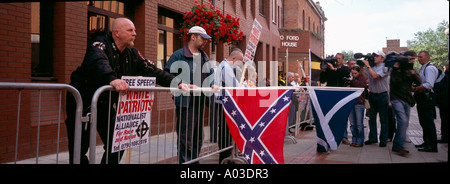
(223, 29)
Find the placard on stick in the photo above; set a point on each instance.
(132, 126)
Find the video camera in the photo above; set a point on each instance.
(347, 81)
(369, 57)
(330, 59)
(393, 57)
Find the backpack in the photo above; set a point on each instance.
(440, 89)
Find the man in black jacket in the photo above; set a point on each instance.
(107, 59)
(334, 75)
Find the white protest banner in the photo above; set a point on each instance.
(249, 54)
(133, 114)
(252, 42)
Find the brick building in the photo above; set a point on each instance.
(303, 30)
(46, 41)
(393, 45)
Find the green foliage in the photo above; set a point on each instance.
(433, 41)
(348, 55)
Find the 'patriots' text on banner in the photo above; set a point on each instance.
(133, 114)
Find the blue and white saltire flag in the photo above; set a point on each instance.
(331, 108)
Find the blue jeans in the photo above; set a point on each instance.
(402, 111)
(379, 104)
(357, 124)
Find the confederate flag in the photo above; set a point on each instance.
(257, 122)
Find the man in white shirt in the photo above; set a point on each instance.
(224, 77)
(425, 102)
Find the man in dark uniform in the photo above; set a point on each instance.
(107, 59)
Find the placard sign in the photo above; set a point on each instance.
(133, 114)
(253, 42)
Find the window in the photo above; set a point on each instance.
(101, 14)
(303, 19)
(309, 23)
(244, 7)
(279, 18)
(274, 11)
(169, 37)
(42, 41)
(261, 7)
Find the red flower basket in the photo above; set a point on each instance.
(223, 29)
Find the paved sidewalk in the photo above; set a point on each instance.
(303, 152)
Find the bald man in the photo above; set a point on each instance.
(107, 59)
(224, 77)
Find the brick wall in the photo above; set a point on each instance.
(70, 35)
(15, 66)
(293, 20)
(15, 42)
(69, 44)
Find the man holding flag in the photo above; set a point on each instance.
(224, 77)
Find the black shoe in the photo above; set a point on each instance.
(421, 145)
(382, 144)
(369, 142)
(402, 152)
(428, 149)
(443, 141)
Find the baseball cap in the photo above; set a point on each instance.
(380, 53)
(199, 30)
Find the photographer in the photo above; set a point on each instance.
(378, 98)
(402, 78)
(335, 74)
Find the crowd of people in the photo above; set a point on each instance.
(390, 92)
(110, 56)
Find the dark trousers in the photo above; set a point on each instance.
(218, 119)
(189, 131)
(379, 104)
(102, 129)
(427, 113)
(392, 122)
(443, 112)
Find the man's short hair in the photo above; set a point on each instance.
(235, 53)
(410, 53)
(343, 56)
(290, 74)
(189, 35)
(426, 53)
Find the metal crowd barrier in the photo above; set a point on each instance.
(23, 143)
(163, 143)
(303, 116)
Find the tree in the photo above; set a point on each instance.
(348, 55)
(433, 41)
